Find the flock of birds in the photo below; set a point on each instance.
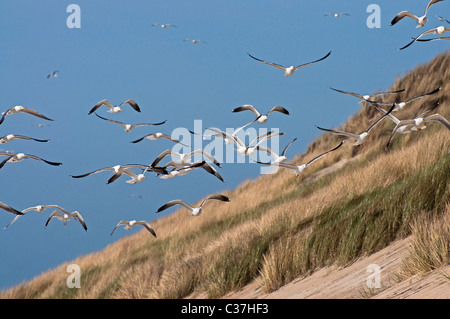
(181, 164)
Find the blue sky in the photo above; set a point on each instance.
(117, 55)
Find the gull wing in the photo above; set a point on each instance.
(56, 213)
(309, 63)
(77, 216)
(220, 197)
(349, 93)
(247, 107)
(147, 226)
(279, 109)
(174, 202)
(438, 118)
(418, 37)
(402, 15)
(286, 147)
(122, 222)
(93, 172)
(399, 124)
(35, 113)
(132, 103)
(430, 4)
(323, 154)
(278, 66)
(112, 121)
(10, 209)
(43, 160)
(342, 133)
(102, 102)
(381, 118)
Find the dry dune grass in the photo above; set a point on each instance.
(279, 226)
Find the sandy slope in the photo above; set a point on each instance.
(351, 281)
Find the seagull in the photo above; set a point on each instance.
(443, 19)
(10, 209)
(277, 158)
(129, 127)
(10, 137)
(115, 109)
(184, 158)
(158, 135)
(401, 105)
(260, 118)
(298, 169)
(367, 97)
(20, 109)
(439, 30)
(129, 224)
(65, 217)
(13, 158)
(180, 169)
(360, 138)
(195, 41)
(289, 70)
(418, 123)
(38, 208)
(195, 211)
(336, 15)
(420, 20)
(242, 148)
(163, 26)
(119, 170)
(54, 74)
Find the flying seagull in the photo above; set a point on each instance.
(65, 217)
(260, 118)
(367, 97)
(184, 158)
(10, 209)
(13, 158)
(404, 129)
(277, 158)
(119, 170)
(439, 31)
(337, 14)
(242, 148)
(400, 105)
(360, 138)
(20, 109)
(129, 127)
(131, 223)
(443, 19)
(420, 20)
(158, 135)
(194, 41)
(298, 169)
(10, 137)
(54, 74)
(289, 70)
(195, 211)
(115, 109)
(163, 26)
(418, 123)
(38, 208)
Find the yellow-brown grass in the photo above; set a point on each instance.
(279, 226)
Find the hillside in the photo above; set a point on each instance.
(279, 229)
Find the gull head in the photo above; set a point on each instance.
(421, 22)
(196, 211)
(115, 109)
(440, 30)
(289, 71)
